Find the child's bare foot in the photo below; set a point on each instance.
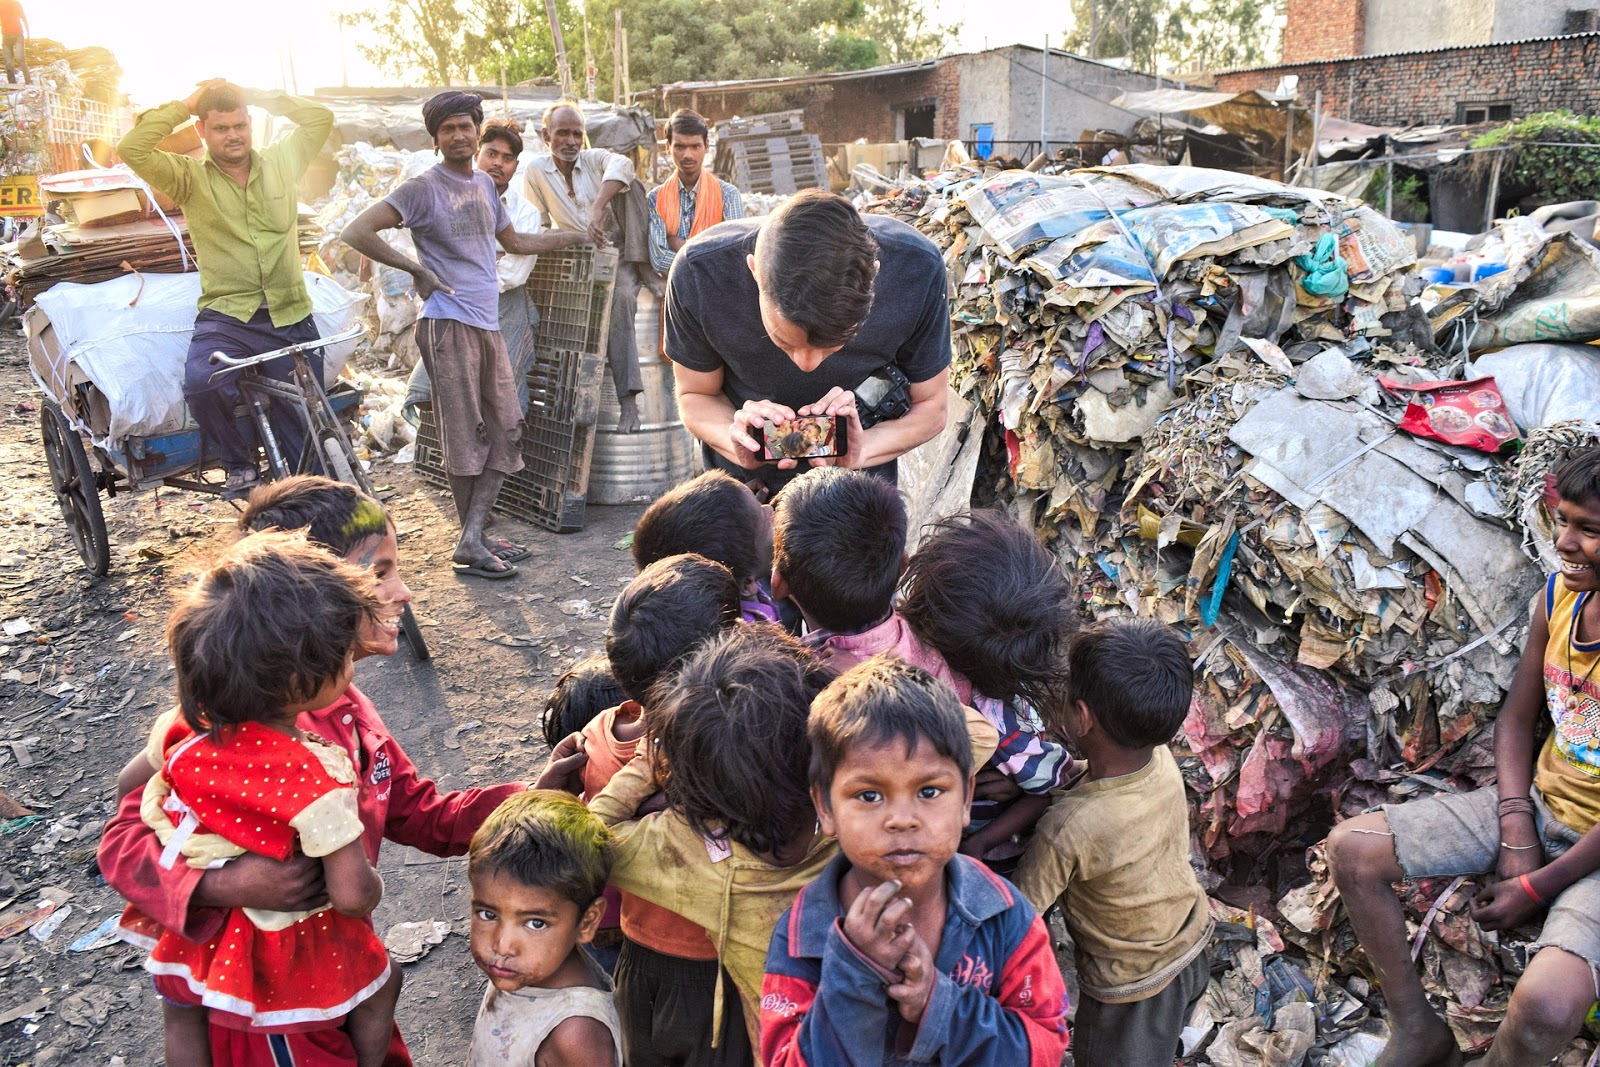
(1429, 1045)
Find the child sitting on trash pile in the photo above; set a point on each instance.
(1114, 847)
(1534, 833)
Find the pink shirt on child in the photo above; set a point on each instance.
(892, 635)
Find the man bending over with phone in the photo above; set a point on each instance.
(814, 310)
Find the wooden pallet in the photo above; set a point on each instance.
(773, 164)
(762, 125)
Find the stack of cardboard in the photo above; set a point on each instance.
(87, 254)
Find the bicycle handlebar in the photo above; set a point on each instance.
(228, 363)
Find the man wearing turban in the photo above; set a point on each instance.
(456, 218)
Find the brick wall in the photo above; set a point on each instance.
(1324, 29)
(947, 83)
(865, 107)
(1395, 90)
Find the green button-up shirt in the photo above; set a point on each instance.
(245, 237)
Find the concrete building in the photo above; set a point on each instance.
(994, 97)
(1336, 29)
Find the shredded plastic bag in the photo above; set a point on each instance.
(1471, 413)
(1326, 274)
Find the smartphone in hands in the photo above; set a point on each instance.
(807, 437)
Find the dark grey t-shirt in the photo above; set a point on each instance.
(453, 221)
(714, 322)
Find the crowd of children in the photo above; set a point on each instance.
(781, 811)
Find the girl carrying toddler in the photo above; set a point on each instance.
(267, 632)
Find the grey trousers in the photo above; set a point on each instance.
(13, 53)
(1141, 1034)
(622, 351)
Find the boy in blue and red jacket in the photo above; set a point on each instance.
(902, 950)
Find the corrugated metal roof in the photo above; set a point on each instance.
(1410, 52)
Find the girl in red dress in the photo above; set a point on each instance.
(267, 632)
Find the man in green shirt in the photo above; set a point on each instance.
(241, 206)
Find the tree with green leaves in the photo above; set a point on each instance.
(1175, 35)
(409, 38)
(905, 30)
(669, 40)
(714, 40)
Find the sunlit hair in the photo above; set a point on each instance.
(269, 623)
(686, 123)
(1578, 479)
(549, 112)
(712, 514)
(838, 538)
(728, 734)
(993, 601)
(333, 514)
(218, 98)
(507, 131)
(584, 691)
(663, 614)
(1135, 677)
(545, 839)
(815, 262)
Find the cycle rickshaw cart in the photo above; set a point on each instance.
(80, 471)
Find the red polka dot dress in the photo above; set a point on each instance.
(258, 790)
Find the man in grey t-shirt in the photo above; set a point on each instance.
(456, 218)
(772, 318)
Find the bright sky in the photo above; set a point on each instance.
(165, 51)
(993, 23)
(166, 48)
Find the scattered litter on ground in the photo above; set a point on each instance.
(408, 942)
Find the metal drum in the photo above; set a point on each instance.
(628, 467)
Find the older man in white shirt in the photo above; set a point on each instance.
(572, 186)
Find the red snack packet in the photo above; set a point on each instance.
(1472, 413)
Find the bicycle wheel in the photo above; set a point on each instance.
(413, 632)
(77, 488)
(341, 464)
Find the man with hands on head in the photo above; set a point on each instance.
(242, 210)
(456, 218)
(799, 313)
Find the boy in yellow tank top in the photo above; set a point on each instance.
(1535, 830)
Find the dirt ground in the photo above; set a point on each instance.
(80, 688)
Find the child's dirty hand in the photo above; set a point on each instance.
(564, 771)
(878, 924)
(1503, 905)
(912, 994)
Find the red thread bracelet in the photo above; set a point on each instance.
(1527, 887)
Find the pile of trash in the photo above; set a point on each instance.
(1222, 401)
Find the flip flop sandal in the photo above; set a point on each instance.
(242, 478)
(510, 551)
(484, 568)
